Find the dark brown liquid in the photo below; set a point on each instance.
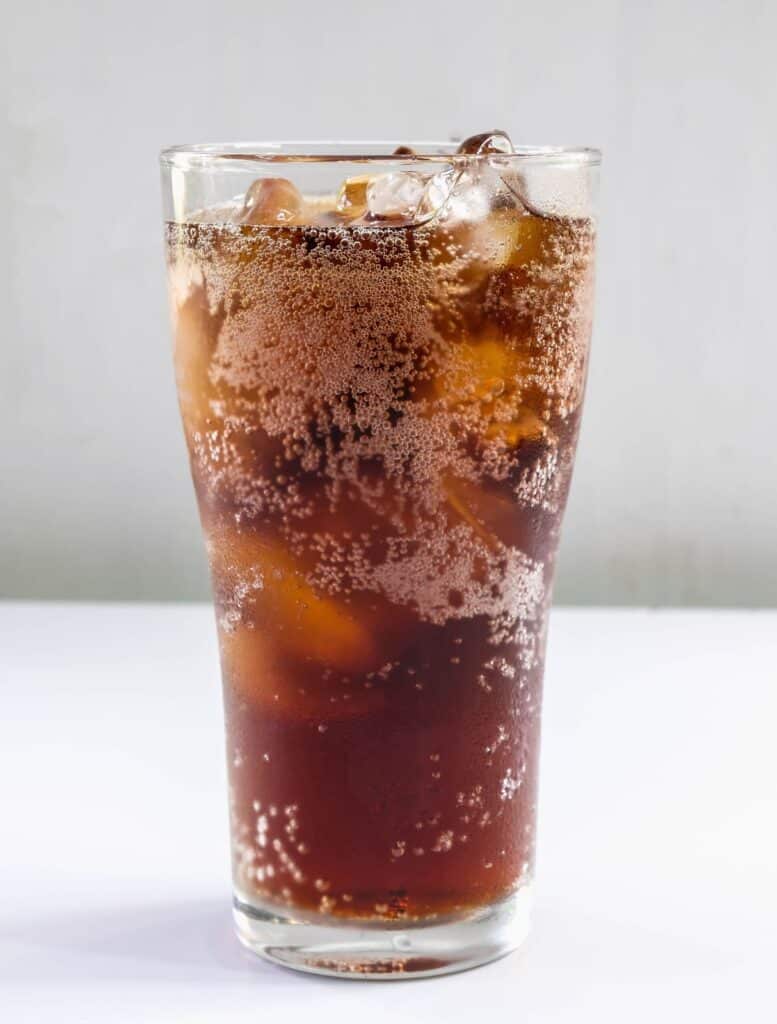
(381, 423)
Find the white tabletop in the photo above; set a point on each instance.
(657, 881)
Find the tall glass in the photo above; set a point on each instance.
(380, 356)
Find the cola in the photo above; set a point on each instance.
(381, 391)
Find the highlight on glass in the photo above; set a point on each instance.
(380, 355)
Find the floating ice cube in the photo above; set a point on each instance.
(525, 425)
(470, 199)
(310, 624)
(396, 195)
(352, 197)
(487, 142)
(438, 193)
(196, 339)
(480, 372)
(408, 196)
(272, 201)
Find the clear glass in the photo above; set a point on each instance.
(380, 361)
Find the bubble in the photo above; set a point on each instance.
(502, 736)
(484, 684)
(509, 786)
(443, 843)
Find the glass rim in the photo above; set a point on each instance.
(198, 156)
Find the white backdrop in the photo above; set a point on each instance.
(676, 487)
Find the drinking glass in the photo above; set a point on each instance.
(380, 356)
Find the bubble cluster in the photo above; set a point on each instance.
(443, 842)
(295, 359)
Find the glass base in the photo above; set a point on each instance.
(384, 951)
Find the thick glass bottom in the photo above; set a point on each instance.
(383, 950)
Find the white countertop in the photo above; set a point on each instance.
(657, 863)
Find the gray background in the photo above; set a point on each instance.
(676, 486)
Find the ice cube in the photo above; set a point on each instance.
(352, 197)
(439, 189)
(260, 671)
(529, 237)
(196, 338)
(481, 241)
(489, 513)
(496, 142)
(480, 226)
(272, 201)
(492, 375)
(308, 625)
(470, 199)
(459, 496)
(481, 372)
(408, 196)
(526, 426)
(396, 195)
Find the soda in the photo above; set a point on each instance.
(381, 392)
